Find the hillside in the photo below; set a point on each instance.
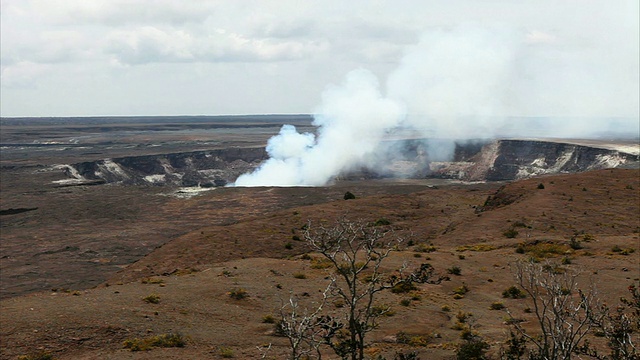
(256, 249)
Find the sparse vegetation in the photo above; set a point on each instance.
(37, 356)
(514, 292)
(454, 270)
(476, 247)
(510, 233)
(349, 196)
(268, 319)
(164, 340)
(226, 352)
(320, 263)
(382, 222)
(425, 248)
(351, 248)
(152, 299)
(563, 320)
(402, 288)
(238, 294)
(543, 249)
(541, 186)
(152, 280)
(300, 275)
(496, 306)
(461, 290)
(473, 348)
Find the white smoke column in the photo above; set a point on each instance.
(455, 84)
(352, 121)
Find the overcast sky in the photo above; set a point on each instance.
(198, 57)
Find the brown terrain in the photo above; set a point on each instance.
(77, 261)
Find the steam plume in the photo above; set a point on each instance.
(453, 85)
(351, 124)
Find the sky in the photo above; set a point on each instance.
(205, 57)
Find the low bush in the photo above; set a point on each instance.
(382, 222)
(165, 341)
(473, 349)
(425, 248)
(38, 356)
(151, 299)
(238, 294)
(461, 290)
(226, 352)
(511, 233)
(513, 292)
(403, 287)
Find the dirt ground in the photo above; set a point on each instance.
(229, 239)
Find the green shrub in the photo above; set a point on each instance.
(476, 247)
(510, 233)
(496, 306)
(473, 349)
(151, 299)
(349, 196)
(382, 222)
(541, 250)
(513, 292)
(288, 246)
(541, 186)
(425, 248)
(575, 244)
(38, 356)
(321, 263)
(269, 319)
(405, 302)
(165, 341)
(238, 294)
(226, 352)
(461, 290)
(382, 310)
(152, 280)
(403, 287)
(454, 270)
(299, 276)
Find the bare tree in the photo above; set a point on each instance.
(302, 327)
(620, 326)
(564, 312)
(356, 251)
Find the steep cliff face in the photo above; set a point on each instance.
(519, 159)
(493, 161)
(198, 168)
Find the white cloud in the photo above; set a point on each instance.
(150, 44)
(283, 52)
